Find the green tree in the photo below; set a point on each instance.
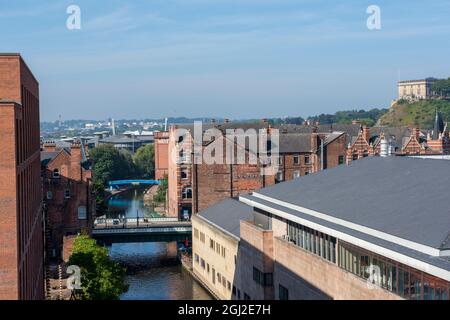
(144, 160)
(162, 190)
(111, 164)
(101, 278)
(441, 88)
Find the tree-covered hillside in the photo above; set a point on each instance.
(419, 113)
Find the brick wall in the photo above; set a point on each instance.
(21, 248)
(161, 154)
(62, 212)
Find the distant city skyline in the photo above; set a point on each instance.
(224, 58)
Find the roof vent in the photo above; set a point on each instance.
(384, 148)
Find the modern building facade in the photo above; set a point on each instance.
(68, 200)
(333, 235)
(21, 230)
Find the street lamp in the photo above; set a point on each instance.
(137, 218)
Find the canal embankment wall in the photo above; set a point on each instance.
(186, 263)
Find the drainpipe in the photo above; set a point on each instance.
(321, 154)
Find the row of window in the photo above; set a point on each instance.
(261, 278)
(66, 194)
(218, 278)
(313, 241)
(218, 248)
(215, 246)
(296, 159)
(398, 278)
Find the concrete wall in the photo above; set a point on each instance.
(308, 276)
(21, 242)
(214, 260)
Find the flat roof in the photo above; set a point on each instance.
(440, 266)
(227, 214)
(404, 197)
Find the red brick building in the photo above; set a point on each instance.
(401, 140)
(21, 228)
(161, 154)
(67, 185)
(195, 186)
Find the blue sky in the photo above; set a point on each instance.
(223, 58)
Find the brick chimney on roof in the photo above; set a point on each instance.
(366, 133)
(314, 138)
(75, 159)
(49, 146)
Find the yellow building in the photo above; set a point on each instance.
(415, 89)
(215, 245)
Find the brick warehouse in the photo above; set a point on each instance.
(67, 184)
(194, 187)
(21, 230)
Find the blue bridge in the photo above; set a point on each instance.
(136, 182)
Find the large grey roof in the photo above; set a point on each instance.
(227, 214)
(405, 197)
(441, 262)
(295, 142)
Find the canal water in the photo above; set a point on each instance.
(153, 273)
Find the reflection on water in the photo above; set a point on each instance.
(129, 204)
(153, 275)
(152, 272)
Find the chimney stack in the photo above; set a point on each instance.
(49, 146)
(416, 132)
(314, 137)
(384, 147)
(366, 133)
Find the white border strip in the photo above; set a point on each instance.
(379, 234)
(417, 264)
(215, 226)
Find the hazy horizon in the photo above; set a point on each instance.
(237, 59)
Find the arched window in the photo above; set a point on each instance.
(366, 153)
(56, 173)
(184, 174)
(186, 193)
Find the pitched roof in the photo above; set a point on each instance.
(46, 156)
(295, 142)
(227, 215)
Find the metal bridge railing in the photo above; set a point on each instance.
(105, 223)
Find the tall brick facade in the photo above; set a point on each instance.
(196, 186)
(21, 230)
(68, 199)
(161, 154)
